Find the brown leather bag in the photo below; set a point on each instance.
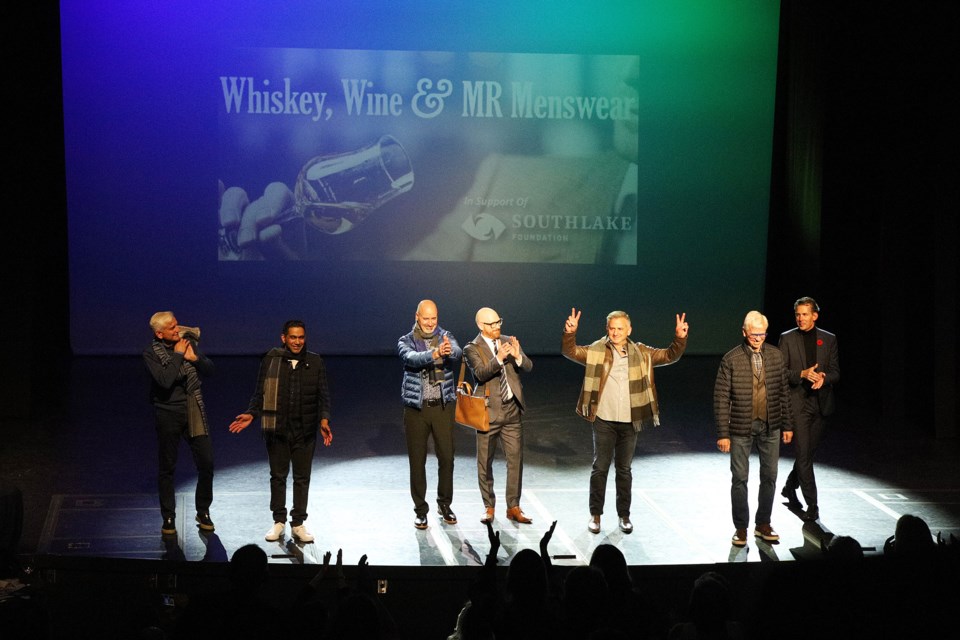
(471, 410)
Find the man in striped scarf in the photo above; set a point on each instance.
(292, 400)
(619, 399)
(175, 365)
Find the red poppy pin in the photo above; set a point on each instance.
(819, 343)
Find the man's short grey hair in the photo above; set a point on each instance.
(755, 319)
(618, 314)
(160, 320)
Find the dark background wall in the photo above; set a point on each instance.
(862, 208)
(863, 214)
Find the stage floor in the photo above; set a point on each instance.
(88, 473)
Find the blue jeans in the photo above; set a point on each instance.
(767, 442)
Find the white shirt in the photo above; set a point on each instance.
(495, 348)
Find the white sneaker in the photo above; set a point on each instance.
(593, 524)
(276, 531)
(301, 533)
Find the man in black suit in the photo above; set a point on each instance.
(497, 360)
(813, 364)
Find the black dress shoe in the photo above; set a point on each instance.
(449, 517)
(420, 522)
(169, 527)
(203, 519)
(810, 514)
(790, 494)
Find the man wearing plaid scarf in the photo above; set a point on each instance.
(292, 400)
(619, 398)
(175, 365)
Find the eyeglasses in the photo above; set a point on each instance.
(495, 324)
(757, 335)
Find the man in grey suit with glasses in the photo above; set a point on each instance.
(496, 361)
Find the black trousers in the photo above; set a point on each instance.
(613, 442)
(806, 438)
(419, 425)
(283, 455)
(171, 428)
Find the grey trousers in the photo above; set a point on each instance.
(510, 436)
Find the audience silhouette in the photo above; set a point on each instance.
(709, 611)
(907, 591)
(911, 539)
(240, 611)
(627, 610)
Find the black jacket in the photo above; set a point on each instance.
(733, 391)
(314, 394)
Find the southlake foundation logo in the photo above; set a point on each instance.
(483, 226)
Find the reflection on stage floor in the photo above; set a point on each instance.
(88, 476)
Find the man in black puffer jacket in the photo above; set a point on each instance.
(751, 406)
(293, 402)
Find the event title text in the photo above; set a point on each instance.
(477, 99)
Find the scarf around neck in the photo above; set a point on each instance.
(643, 401)
(428, 342)
(271, 387)
(196, 411)
(422, 338)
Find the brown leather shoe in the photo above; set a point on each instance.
(766, 532)
(514, 513)
(487, 515)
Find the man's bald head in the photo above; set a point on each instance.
(426, 316)
(489, 322)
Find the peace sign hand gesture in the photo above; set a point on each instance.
(573, 321)
(682, 327)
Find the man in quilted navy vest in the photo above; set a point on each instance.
(293, 403)
(430, 355)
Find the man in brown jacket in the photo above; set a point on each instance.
(619, 398)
